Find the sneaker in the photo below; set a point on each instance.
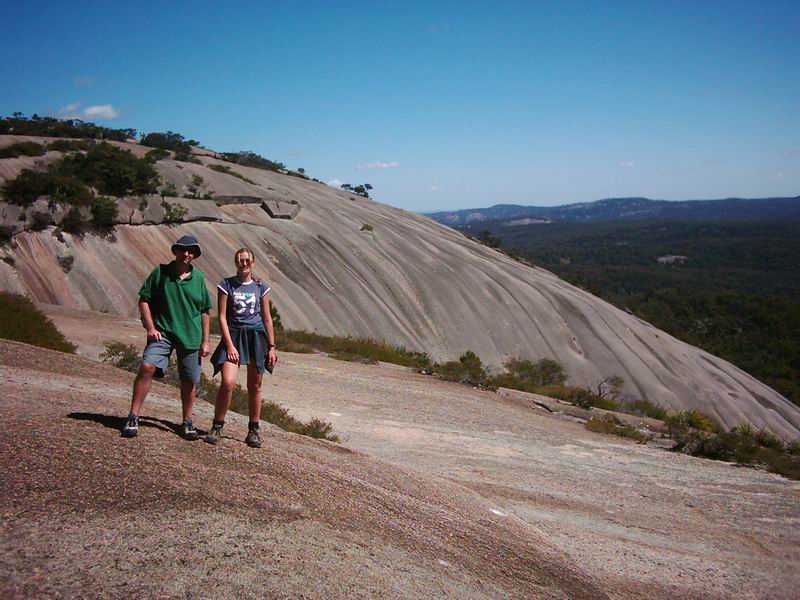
(253, 439)
(131, 428)
(188, 432)
(213, 436)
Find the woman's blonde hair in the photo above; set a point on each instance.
(242, 250)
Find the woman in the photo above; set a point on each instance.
(248, 338)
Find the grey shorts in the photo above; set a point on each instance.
(158, 353)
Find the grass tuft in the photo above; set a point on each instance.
(611, 425)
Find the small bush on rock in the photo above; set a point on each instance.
(23, 322)
(22, 149)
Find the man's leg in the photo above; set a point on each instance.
(155, 356)
(188, 389)
(189, 371)
(141, 386)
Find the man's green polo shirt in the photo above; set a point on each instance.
(176, 304)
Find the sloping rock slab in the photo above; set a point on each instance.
(149, 210)
(280, 210)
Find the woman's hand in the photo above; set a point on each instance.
(272, 358)
(233, 355)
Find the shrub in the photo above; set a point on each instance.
(40, 220)
(196, 187)
(645, 408)
(688, 419)
(30, 185)
(173, 213)
(111, 170)
(73, 222)
(744, 446)
(169, 189)
(349, 347)
(124, 356)
(185, 156)
(611, 425)
(6, 233)
(579, 396)
(66, 262)
(68, 189)
(610, 387)
(104, 212)
(70, 145)
(367, 227)
(27, 187)
(467, 369)
(169, 141)
(544, 372)
(22, 149)
(23, 322)
(18, 124)
(156, 154)
(228, 171)
(247, 158)
(486, 238)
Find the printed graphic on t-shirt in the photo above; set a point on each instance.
(244, 302)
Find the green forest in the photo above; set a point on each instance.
(731, 288)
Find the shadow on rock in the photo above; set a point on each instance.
(116, 423)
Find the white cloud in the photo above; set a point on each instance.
(101, 111)
(335, 183)
(625, 163)
(379, 165)
(97, 111)
(434, 188)
(69, 110)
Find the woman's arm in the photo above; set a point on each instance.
(266, 316)
(222, 311)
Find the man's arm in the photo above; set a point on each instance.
(153, 335)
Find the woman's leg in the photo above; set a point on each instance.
(254, 379)
(223, 402)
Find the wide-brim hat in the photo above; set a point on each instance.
(188, 241)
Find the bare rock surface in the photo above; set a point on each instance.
(89, 514)
(634, 521)
(408, 280)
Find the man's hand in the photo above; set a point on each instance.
(205, 349)
(153, 335)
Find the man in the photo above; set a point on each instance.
(174, 304)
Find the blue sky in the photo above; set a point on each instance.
(439, 105)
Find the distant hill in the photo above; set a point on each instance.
(612, 209)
